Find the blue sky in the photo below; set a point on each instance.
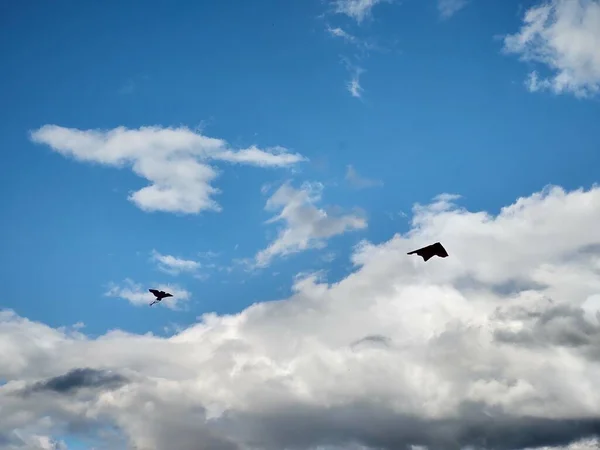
(442, 111)
(442, 103)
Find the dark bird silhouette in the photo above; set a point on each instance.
(159, 295)
(430, 251)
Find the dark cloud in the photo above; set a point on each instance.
(376, 339)
(369, 425)
(78, 379)
(558, 325)
(509, 287)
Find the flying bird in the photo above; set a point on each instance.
(159, 295)
(430, 251)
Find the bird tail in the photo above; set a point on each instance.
(155, 301)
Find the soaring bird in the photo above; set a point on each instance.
(430, 251)
(159, 295)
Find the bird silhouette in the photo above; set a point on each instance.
(430, 251)
(159, 295)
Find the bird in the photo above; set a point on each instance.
(430, 251)
(159, 295)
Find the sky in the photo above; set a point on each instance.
(270, 164)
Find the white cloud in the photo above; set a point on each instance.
(358, 10)
(341, 33)
(358, 181)
(274, 157)
(564, 35)
(173, 265)
(363, 45)
(173, 160)
(306, 226)
(447, 8)
(138, 295)
(461, 352)
(354, 86)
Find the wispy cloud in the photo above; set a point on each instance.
(340, 33)
(127, 88)
(358, 10)
(447, 8)
(359, 182)
(353, 84)
(173, 265)
(209, 254)
(364, 46)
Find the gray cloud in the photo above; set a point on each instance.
(559, 325)
(374, 427)
(79, 379)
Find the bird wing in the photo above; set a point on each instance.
(155, 292)
(167, 294)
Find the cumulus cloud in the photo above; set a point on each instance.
(306, 226)
(359, 182)
(138, 295)
(495, 347)
(173, 265)
(173, 160)
(564, 36)
(447, 8)
(358, 10)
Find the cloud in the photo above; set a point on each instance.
(16, 441)
(173, 160)
(355, 180)
(363, 45)
(447, 8)
(79, 379)
(173, 265)
(487, 348)
(208, 254)
(564, 36)
(339, 32)
(353, 85)
(358, 10)
(137, 295)
(128, 88)
(306, 226)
